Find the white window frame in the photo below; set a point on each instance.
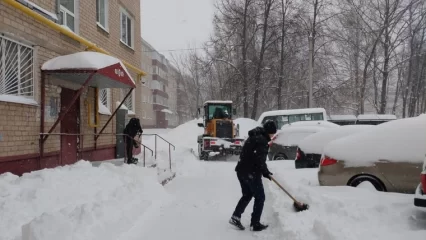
(22, 96)
(124, 13)
(106, 10)
(75, 14)
(131, 110)
(108, 101)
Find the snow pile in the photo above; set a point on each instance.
(246, 124)
(398, 140)
(291, 136)
(315, 143)
(184, 138)
(76, 202)
(341, 213)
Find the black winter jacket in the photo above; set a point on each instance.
(133, 127)
(254, 153)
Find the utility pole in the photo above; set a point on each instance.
(311, 70)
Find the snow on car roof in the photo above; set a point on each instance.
(291, 111)
(218, 102)
(376, 117)
(401, 140)
(291, 136)
(324, 124)
(342, 117)
(315, 143)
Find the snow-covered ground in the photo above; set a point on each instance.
(77, 202)
(342, 213)
(127, 202)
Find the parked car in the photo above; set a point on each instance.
(310, 149)
(420, 195)
(390, 156)
(287, 138)
(362, 119)
(283, 117)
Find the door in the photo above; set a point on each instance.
(69, 125)
(121, 120)
(161, 119)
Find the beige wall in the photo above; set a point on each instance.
(144, 94)
(20, 123)
(172, 92)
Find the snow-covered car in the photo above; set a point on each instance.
(286, 140)
(310, 149)
(420, 194)
(389, 156)
(283, 117)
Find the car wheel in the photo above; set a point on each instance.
(280, 156)
(354, 182)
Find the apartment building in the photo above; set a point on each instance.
(172, 116)
(182, 102)
(32, 102)
(160, 75)
(144, 94)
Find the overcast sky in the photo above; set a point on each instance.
(176, 24)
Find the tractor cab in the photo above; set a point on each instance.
(216, 110)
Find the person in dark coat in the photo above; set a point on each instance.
(250, 169)
(132, 129)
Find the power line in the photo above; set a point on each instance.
(176, 50)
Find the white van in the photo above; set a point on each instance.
(282, 117)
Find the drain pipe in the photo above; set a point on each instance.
(68, 33)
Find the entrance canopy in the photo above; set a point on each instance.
(109, 72)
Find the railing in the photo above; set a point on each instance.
(103, 134)
(155, 146)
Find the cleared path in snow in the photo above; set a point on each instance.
(203, 203)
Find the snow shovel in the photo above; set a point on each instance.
(298, 206)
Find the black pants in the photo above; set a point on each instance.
(129, 149)
(251, 186)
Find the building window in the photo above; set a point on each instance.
(130, 101)
(105, 101)
(16, 69)
(67, 16)
(126, 26)
(102, 13)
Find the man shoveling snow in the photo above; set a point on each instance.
(250, 169)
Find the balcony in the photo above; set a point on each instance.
(160, 93)
(160, 79)
(163, 67)
(159, 107)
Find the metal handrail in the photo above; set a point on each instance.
(94, 134)
(150, 134)
(155, 146)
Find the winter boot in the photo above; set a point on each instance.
(236, 222)
(132, 161)
(258, 227)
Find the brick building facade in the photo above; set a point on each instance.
(27, 43)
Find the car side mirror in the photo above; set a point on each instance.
(234, 111)
(200, 124)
